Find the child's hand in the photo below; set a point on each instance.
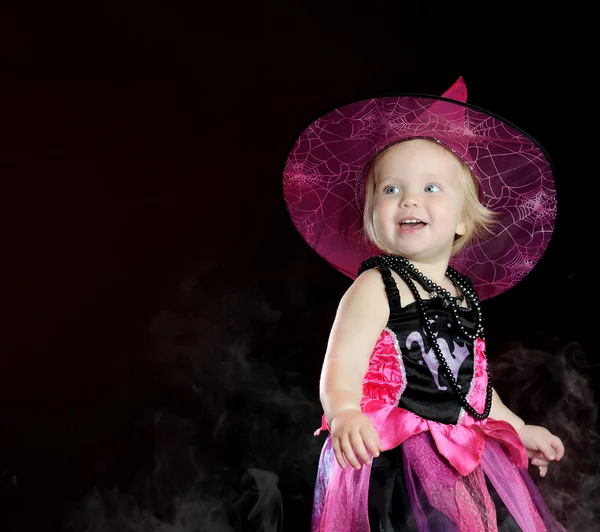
(353, 432)
(542, 446)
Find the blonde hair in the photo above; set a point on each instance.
(478, 219)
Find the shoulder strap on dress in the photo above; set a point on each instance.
(391, 289)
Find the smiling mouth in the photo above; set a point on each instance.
(410, 224)
(412, 221)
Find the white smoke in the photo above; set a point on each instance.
(233, 435)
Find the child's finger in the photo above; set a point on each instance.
(543, 471)
(531, 453)
(349, 453)
(545, 448)
(337, 451)
(371, 440)
(359, 447)
(379, 444)
(558, 447)
(377, 439)
(539, 462)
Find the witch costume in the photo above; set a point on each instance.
(447, 465)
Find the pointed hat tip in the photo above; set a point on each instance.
(458, 91)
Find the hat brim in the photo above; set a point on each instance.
(323, 173)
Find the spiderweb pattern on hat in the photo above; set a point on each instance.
(324, 192)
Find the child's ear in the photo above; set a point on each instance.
(461, 229)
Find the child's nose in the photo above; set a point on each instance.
(409, 199)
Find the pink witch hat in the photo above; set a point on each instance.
(323, 181)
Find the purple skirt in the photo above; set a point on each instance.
(413, 487)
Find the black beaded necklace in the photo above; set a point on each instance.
(409, 274)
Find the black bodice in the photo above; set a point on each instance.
(427, 392)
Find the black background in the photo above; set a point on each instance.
(163, 324)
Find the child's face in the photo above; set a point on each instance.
(418, 180)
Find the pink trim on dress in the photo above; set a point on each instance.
(449, 465)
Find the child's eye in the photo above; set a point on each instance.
(391, 189)
(432, 188)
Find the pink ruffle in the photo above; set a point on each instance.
(476, 396)
(385, 379)
(463, 444)
(471, 448)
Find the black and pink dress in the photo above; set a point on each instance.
(442, 469)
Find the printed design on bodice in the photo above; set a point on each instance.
(454, 358)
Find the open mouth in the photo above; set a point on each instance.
(410, 224)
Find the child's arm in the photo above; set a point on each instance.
(501, 412)
(542, 446)
(361, 317)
